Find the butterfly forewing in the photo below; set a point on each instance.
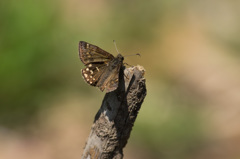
(89, 53)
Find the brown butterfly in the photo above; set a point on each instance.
(102, 68)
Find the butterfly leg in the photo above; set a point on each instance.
(126, 76)
(127, 64)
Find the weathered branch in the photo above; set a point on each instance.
(114, 121)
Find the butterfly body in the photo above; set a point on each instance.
(102, 68)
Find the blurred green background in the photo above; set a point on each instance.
(190, 50)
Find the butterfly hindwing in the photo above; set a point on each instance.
(113, 81)
(93, 72)
(109, 80)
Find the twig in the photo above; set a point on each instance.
(114, 121)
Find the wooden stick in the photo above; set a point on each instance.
(114, 120)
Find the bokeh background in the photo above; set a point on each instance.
(190, 50)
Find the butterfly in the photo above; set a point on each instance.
(102, 68)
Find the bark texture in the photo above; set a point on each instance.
(114, 120)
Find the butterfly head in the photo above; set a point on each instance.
(120, 57)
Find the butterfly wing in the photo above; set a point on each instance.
(102, 69)
(93, 72)
(89, 53)
(99, 76)
(112, 82)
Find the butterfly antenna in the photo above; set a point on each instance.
(133, 55)
(125, 55)
(115, 46)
